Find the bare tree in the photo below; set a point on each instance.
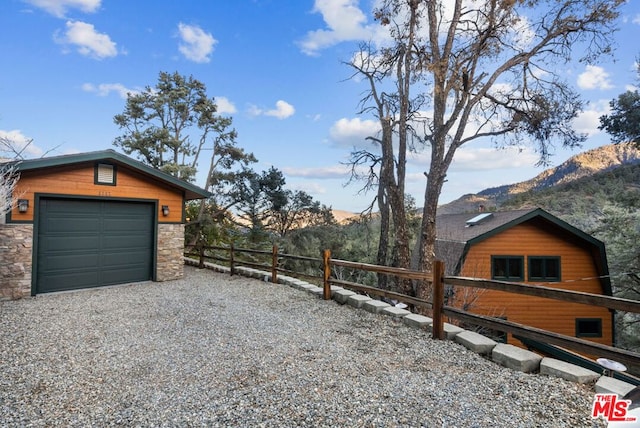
(486, 70)
(8, 180)
(10, 152)
(393, 110)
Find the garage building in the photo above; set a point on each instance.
(90, 220)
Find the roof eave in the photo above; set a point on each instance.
(190, 191)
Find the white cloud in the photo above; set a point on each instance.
(636, 19)
(329, 172)
(594, 77)
(344, 21)
(353, 132)
(20, 143)
(283, 110)
(59, 8)
(469, 159)
(87, 40)
(489, 158)
(197, 45)
(311, 188)
(588, 121)
(104, 89)
(225, 106)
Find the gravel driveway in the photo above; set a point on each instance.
(214, 350)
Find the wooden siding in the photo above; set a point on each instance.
(79, 180)
(578, 273)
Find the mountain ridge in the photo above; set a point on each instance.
(588, 163)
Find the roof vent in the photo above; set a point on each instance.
(105, 174)
(478, 219)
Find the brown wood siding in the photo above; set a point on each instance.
(578, 273)
(80, 181)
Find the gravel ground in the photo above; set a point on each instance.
(214, 350)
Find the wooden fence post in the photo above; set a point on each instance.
(231, 266)
(274, 264)
(326, 287)
(438, 300)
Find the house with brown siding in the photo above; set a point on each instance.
(533, 247)
(89, 220)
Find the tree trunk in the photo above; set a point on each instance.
(383, 242)
(427, 239)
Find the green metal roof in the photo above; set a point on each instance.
(191, 191)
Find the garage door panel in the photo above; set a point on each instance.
(66, 262)
(122, 276)
(90, 243)
(70, 224)
(126, 225)
(125, 242)
(71, 206)
(66, 281)
(125, 258)
(77, 244)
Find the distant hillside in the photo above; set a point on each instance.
(343, 216)
(602, 159)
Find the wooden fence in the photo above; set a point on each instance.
(435, 305)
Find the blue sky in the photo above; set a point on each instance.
(275, 66)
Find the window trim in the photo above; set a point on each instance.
(507, 277)
(544, 278)
(96, 179)
(599, 327)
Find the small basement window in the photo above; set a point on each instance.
(588, 327)
(507, 268)
(105, 174)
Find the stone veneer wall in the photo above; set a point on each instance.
(16, 243)
(170, 261)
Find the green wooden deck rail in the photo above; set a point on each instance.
(436, 306)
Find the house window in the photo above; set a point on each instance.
(507, 268)
(544, 268)
(588, 327)
(105, 174)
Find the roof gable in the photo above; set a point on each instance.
(191, 191)
(455, 236)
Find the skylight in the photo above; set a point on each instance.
(478, 219)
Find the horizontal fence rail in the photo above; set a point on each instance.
(436, 305)
(548, 292)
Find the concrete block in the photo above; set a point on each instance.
(516, 358)
(395, 312)
(335, 288)
(341, 296)
(475, 342)
(300, 285)
(610, 385)
(305, 286)
(374, 306)
(568, 371)
(357, 300)
(418, 321)
(286, 280)
(316, 291)
(451, 331)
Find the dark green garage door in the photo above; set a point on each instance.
(89, 243)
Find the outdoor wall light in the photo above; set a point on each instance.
(23, 205)
(165, 210)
